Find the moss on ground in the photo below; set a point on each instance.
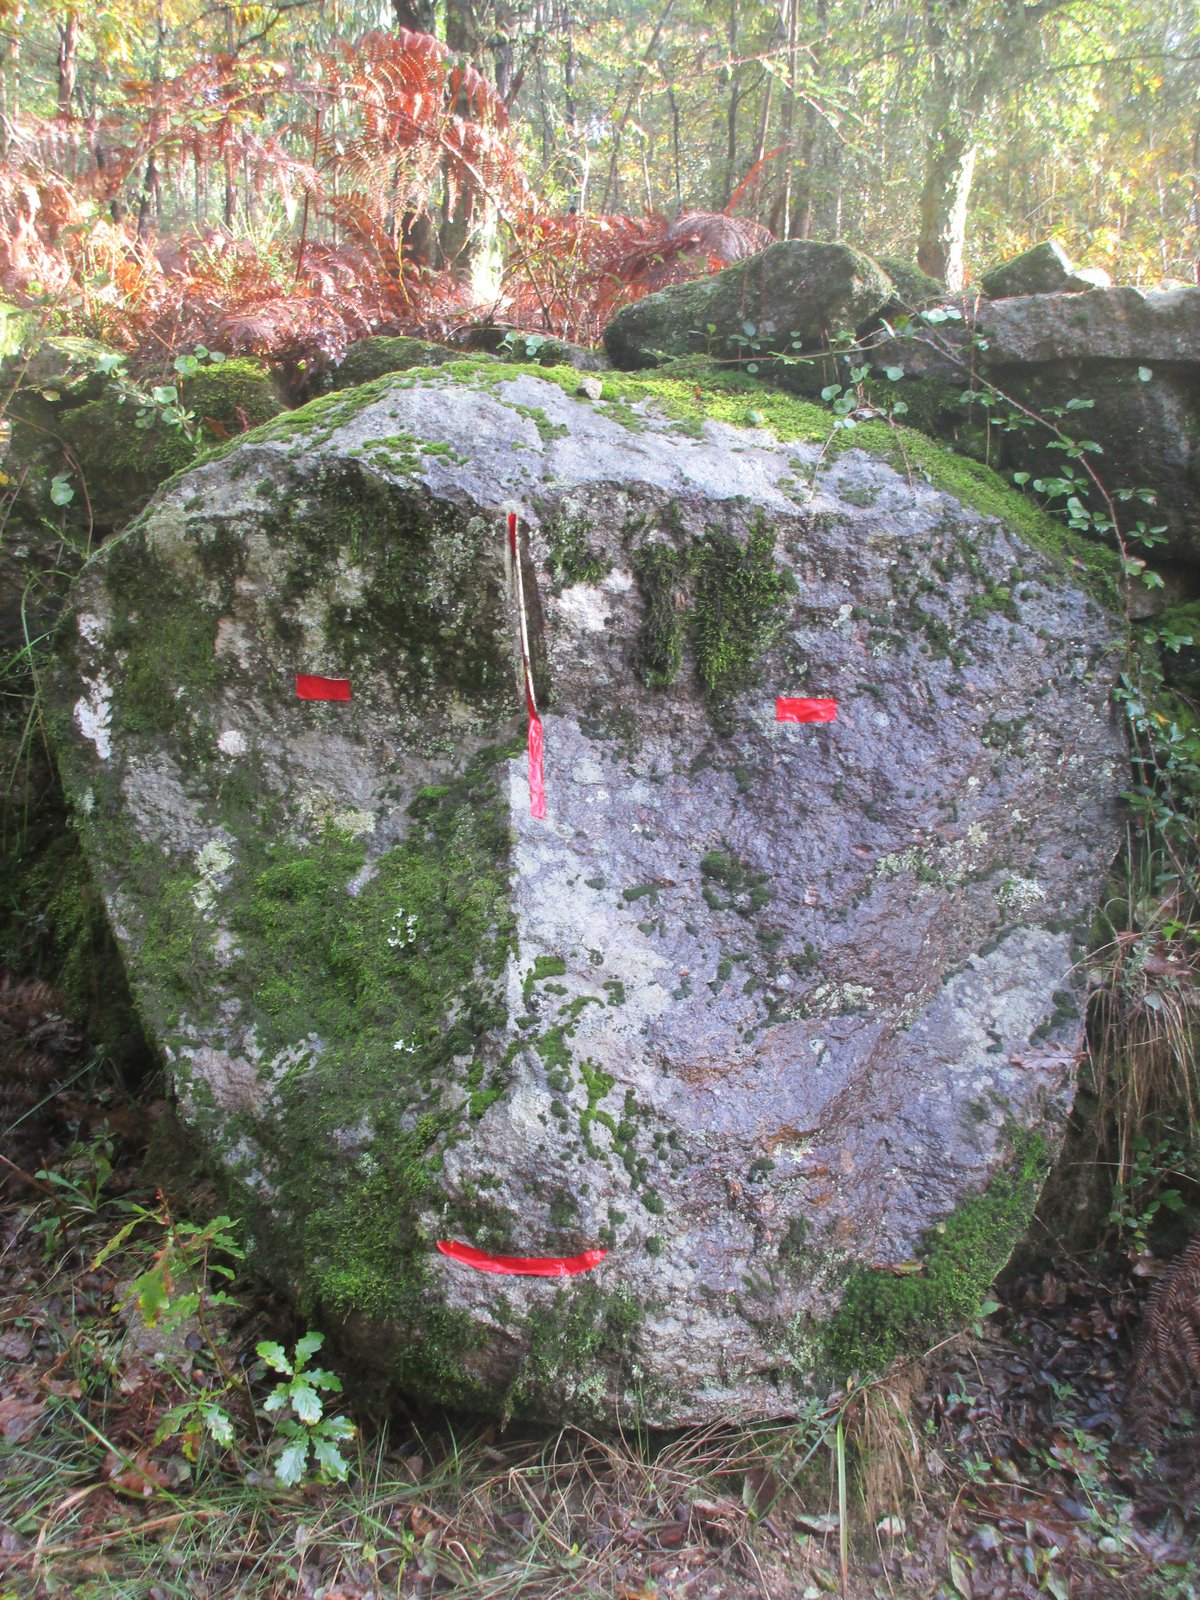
(883, 1315)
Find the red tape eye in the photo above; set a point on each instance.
(309, 687)
(521, 1266)
(790, 710)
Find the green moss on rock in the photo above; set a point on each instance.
(883, 1315)
(232, 396)
(121, 464)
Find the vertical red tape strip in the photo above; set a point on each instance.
(537, 784)
(309, 687)
(791, 710)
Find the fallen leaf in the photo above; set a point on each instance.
(18, 1417)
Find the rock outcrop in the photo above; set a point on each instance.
(782, 1016)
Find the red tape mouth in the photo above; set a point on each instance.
(790, 710)
(521, 1266)
(315, 688)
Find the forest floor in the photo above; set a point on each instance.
(995, 1468)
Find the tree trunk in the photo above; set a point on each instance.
(731, 110)
(418, 16)
(68, 61)
(949, 169)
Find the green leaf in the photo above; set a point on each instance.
(150, 1291)
(830, 390)
(755, 418)
(308, 1346)
(289, 1467)
(62, 491)
(960, 1576)
(319, 1378)
(752, 366)
(115, 1243)
(274, 1355)
(749, 329)
(330, 1459)
(219, 1425)
(277, 1398)
(164, 394)
(337, 1428)
(306, 1403)
(1145, 374)
(893, 374)
(900, 408)
(1020, 477)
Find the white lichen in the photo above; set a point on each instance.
(1018, 896)
(93, 717)
(213, 860)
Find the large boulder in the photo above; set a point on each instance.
(368, 359)
(782, 1016)
(793, 295)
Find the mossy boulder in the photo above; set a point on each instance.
(232, 396)
(794, 295)
(373, 358)
(913, 287)
(1046, 268)
(758, 1008)
(118, 463)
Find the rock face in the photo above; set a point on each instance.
(764, 1009)
(793, 294)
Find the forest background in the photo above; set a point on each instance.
(283, 178)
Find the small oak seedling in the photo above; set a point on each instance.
(308, 1430)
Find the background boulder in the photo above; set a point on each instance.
(793, 295)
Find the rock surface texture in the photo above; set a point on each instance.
(765, 1010)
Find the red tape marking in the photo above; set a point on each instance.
(789, 710)
(537, 784)
(313, 688)
(521, 1266)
